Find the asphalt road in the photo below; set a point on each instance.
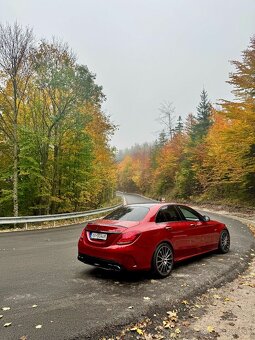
(76, 301)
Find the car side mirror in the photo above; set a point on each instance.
(206, 218)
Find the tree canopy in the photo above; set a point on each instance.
(211, 156)
(54, 137)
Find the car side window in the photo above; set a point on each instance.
(167, 214)
(189, 214)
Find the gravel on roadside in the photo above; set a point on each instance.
(222, 313)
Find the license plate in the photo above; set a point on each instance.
(98, 236)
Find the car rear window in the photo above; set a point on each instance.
(128, 214)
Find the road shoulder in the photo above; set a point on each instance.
(222, 313)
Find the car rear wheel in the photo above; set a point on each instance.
(224, 242)
(163, 259)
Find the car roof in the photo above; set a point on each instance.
(150, 205)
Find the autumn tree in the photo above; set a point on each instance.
(16, 44)
(213, 156)
(234, 145)
(189, 123)
(65, 162)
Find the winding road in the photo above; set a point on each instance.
(76, 301)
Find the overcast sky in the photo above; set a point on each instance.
(145, 52)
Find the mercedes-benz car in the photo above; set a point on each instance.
(150, 237)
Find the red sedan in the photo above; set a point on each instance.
(150, 237)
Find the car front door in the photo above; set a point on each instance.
(200, 232)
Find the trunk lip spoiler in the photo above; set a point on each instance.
(105, 231)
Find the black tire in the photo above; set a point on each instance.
(224, 242)
(163, 260)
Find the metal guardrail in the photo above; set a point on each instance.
(56, 217)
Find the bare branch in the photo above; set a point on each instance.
(167, 117)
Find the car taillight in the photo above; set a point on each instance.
(128, 237)
(82, 234)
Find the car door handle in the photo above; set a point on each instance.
(168, 228)
(192, 225)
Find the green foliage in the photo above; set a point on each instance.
(179, 126)
(64, 160)
(203, 119)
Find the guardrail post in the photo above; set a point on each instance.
(26, 226)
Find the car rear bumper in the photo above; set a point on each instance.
(101, 263)
(128, 257)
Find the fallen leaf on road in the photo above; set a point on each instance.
(6, 308)
(227, 299)
(215, 296)
(210, 329)
(146, 298)
(139, 331)
(24, 337)
(136, 329)
(7, 324)
(172, 316)
(158, 336)
(171, 313)
(185, 302)
(130, 307)
(168, 324)
(34, 306)
(198, 306)
(247, 283)
(1, 316)
(173, 335)
(38, 326)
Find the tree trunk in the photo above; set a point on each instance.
(15, 180)
(15, 153)
(55, 170)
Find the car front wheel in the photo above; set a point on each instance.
(163, 259)
(224, 242)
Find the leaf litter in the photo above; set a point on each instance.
(207, 316)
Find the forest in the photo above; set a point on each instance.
(54, 137)
(210, 157)
(55, 152)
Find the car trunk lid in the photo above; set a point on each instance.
(103, 233)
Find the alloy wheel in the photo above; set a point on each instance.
(163, 260)
(224, 241)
